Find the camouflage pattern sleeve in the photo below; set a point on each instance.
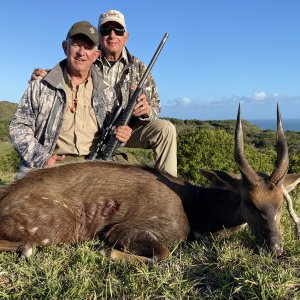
(23, 127)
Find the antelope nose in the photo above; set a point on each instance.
(276, 247)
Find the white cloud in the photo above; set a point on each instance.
(185, 101)
(181, 101)
(264, 97)
(260, 96)
(259, 105)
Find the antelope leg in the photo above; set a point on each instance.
(9, 246)
(120, 255)
(24, 249)
(117, 255)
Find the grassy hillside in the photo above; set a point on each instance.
(262, 139)
(5, 148)
(215, 267)
(7, 109)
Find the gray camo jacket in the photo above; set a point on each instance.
(131, 76)
(36, 125)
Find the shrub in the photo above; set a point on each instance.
(9, 162)
(294, 164)
(213, 149)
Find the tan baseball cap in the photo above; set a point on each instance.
(112, 16)
(86, 29)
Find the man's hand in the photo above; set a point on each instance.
(52, 160)
(142, 108)
(123, 133)
(38, 72)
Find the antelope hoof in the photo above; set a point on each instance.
(26, 250)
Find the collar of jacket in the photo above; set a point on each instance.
(130, 58)
(55, 76)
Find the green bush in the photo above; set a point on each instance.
(213, 149)
(198, 148)
(9, 162)
(294, 164)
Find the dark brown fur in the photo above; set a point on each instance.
(126, 205)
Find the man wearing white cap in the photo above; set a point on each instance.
(123, 71)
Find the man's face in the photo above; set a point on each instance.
(113, 38)
(81, 53)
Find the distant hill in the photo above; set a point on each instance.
(7, 109)
(261, 139)
(254, 135)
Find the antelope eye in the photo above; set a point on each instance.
(263, 216)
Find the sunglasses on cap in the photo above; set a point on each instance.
(107, 30)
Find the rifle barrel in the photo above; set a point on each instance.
(153, 60)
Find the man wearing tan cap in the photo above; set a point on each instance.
(123, 71)
(59, 116)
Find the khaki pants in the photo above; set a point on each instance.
(160, 136)
(70, 159)
(118, 156)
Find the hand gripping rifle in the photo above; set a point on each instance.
(108, 143)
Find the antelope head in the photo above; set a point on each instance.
(261, 194)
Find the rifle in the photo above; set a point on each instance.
(108, 143)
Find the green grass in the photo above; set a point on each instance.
(212, 268)
(5, 148)
(8, 162)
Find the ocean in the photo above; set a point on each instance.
(288, 124)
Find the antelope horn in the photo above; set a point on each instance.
(282, 163)
(246, 170)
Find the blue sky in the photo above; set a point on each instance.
(219, 52)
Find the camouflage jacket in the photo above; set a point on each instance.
(131, 76)
(35, 126)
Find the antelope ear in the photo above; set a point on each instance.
(291, 181)
(223, 179)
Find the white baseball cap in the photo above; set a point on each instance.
(112, 16)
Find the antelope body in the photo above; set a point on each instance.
(141, 210)
(128, 206)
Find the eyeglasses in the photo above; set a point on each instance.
(107, 30)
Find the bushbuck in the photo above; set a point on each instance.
(139, 210)
(253, 198)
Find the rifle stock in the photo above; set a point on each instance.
(106, 151)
